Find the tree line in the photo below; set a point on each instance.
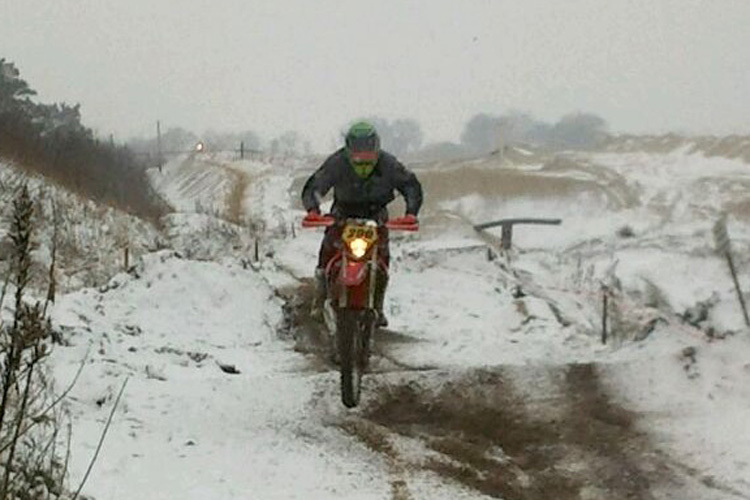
(485, 133)
(50, 139)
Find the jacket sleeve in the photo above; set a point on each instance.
(318, 185)
(410, 188)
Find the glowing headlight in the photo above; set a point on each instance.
(358, 247)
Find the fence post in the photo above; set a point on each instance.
(724, 247)
(242, 150)
(127, 256)
(506, 236)
(257, 250)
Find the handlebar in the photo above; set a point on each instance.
(402, 227)
(328, 220)
(322, 222)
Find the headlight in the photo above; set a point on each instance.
(358, 247)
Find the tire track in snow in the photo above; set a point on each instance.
(236, 196)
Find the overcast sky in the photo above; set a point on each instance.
(313, 65)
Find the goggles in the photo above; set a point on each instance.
(363, 144)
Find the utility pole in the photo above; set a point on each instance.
(158, 143)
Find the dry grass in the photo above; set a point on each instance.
(732, 146)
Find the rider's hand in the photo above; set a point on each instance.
(406, 220)
(313, 215)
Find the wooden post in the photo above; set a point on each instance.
(242, 150)
(740, 297)
(506, 237)
(724, 247)
(257, 250)
(127, 256)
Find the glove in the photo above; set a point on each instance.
(406, 220)
(314, 218)
(313, 215)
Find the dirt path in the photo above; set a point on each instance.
(234, 210)
(518, 433)
(569, 441)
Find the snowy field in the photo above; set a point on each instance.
(491, 381)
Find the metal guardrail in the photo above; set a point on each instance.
(506, 237)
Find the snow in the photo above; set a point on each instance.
(186, 429)
(91, 237)
(697, 408)
(167, 326)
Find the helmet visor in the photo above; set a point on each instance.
(363, 144)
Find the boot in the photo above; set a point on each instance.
(380, 288)
(319, 297)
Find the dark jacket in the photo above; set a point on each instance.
(357, 197)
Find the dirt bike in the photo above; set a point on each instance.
(350, 312)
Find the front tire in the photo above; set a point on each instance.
(353, 332)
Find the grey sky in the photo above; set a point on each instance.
(312, 65)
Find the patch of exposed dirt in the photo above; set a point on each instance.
(234, 211)
(377, 439)
(307, 332)
(311, 337)
(499, 433)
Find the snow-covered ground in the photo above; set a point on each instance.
(91, 238)
(669, 396)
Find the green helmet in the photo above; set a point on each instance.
(362, 148)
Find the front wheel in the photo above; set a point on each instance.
(353, 331)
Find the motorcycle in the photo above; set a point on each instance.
(349, 311)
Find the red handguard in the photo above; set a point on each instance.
(315, 219)
(408, 222)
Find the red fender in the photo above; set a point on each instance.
(353, 274)
(352, 279)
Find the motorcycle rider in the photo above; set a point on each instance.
(363, 178)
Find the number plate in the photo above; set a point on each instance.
(355, 231)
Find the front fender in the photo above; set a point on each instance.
(353, 273)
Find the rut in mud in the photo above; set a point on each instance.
(310, 336)
(299, 325)
(519, 434)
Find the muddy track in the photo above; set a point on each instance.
(518, 433)
(306, 332)
(310, 337)
(527, 432)
(235, 198)
(489, 431)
